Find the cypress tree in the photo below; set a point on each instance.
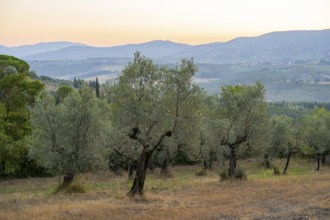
(97, 88)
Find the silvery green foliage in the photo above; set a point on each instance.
(209, 132)
(243, 114)
(71, 136)
(186, 100)
(283, 135)
(155, 100)
(315, 130)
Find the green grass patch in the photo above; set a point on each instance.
(118, 186)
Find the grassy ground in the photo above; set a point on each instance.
(302, 194)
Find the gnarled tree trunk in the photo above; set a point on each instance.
(288, 157)
(130, 169)
(140, 175)
(2, 167)
(233, 147)
(67, 179)
(323, 158)
(205, 166)
(164, 167)
(212, 157)
(210, 165)
(266, 161)
(318, 161)
(232, 161)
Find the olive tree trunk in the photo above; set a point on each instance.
(233, 156)
(210, 164)
(140, 175)
(323, 158)
(2, 167)
(205, 166)
(318, 161)
(287, 162)
(164, 167)
(232, 161)
(266, 161)
(130, 169)
(212, 157)
(67, 179)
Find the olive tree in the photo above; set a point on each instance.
(185, 98)
(284, 140)
(150, 103)
(315, 131)
(68, 137)
(209, 143)
(243, 119)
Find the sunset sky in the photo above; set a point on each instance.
(109, 22)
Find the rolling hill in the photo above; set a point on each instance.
(293, 65)
(152, 49)
(271, 47)
(28, 50)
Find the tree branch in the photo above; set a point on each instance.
(161, 138)
(134, 135)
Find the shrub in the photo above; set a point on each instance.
(307, 152)
(75, 188)
(223, 175)
(276, 170)
(240, 173)
(327, 160)
(201, 173)
(168, 174)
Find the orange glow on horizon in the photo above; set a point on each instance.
(109, 22)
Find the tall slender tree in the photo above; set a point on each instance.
(97, 88)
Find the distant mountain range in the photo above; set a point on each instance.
(28, 50)
(275, 46)
(293, 65)
(75, 51)
(294, 45)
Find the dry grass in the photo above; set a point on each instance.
(303, 196)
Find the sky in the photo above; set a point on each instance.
(117, 22)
